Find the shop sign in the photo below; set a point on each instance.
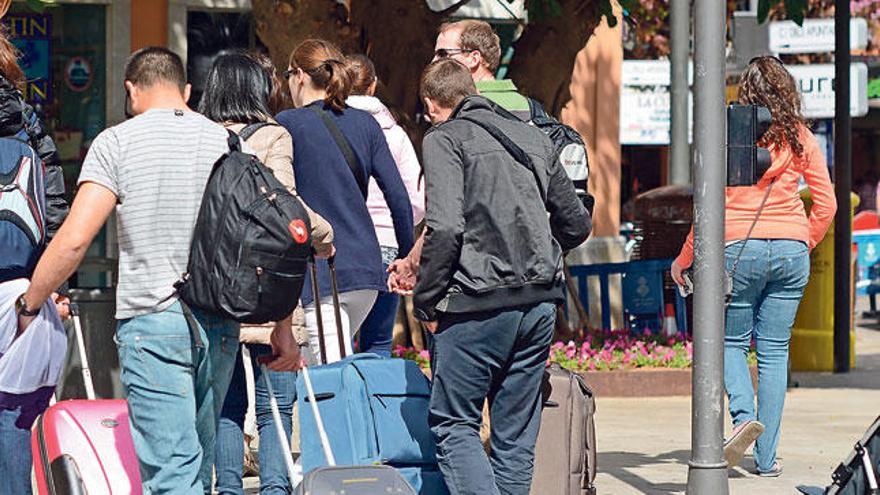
(816, 83)
(645, 115)
(78, 74)
(31, 34)
(814, 36)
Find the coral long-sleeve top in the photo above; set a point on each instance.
(783, 216)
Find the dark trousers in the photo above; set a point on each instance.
(377, 331)
(499, 355)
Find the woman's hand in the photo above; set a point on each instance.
(676, 271)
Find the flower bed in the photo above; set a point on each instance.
(616, 349)
(606, 351)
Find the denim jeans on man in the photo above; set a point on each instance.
(767, 289)
(230, 435)
(15, 452)
(500, 355)
(175, 391)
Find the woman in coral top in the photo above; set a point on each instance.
(774, 267)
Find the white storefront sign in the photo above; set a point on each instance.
(645, 102)
(814, 36)
(816, 86)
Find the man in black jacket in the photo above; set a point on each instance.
(500, 212)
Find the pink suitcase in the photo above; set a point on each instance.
(85, 446)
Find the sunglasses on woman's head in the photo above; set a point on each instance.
(289, 72)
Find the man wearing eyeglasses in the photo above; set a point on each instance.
(475, 44)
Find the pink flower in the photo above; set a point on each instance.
(424, 354)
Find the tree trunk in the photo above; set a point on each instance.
(398, 35)
(546, 52)
(283, 24)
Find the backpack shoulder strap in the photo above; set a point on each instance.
(515, 151)
(249, 130)
(536, 109)
(233, 141)
(344, 147)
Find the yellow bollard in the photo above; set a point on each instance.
(812, 337)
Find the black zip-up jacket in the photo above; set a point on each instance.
(492, 242)
(14, 113)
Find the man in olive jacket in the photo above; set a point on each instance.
(500, 211)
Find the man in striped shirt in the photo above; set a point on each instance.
(153, 169)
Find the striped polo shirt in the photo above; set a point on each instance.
(157, 165)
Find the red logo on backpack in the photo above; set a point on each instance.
(298, 231)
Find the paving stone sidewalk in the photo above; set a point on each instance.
(644, 444)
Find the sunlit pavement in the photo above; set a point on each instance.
(644, 444)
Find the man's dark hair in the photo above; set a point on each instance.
(447, 82)
(237, 90)
(153, 65)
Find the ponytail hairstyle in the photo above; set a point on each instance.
(766, 82)
(325, 65)
(9, 67)
(363, 73)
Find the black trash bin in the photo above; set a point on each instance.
(98, 308)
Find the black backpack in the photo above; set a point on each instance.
(250, 245)
(569, 146)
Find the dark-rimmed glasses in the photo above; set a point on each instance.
(448, 52)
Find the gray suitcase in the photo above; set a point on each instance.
(568, 433)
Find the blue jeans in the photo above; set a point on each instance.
(175, 390)
(15, 453)
(377, 331)
(230, 437)
(499, 355)
(767, 289)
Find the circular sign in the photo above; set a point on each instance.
(78, 74)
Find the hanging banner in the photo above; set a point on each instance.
(31, 34)
(645, 115)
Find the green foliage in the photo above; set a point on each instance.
(542, 9)
(794, 9)
(874, 88)
(39, 6)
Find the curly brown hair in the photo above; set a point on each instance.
(767, 83)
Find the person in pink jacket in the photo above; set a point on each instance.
(376, 332)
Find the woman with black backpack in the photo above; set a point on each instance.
(237, 95)
(336, 150)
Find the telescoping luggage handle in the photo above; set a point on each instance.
(279, 428)
(322, 345)
(84, 360)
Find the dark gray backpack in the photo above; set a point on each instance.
(251, 243)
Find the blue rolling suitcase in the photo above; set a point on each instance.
(375, 412)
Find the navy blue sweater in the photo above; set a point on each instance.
(327, 185)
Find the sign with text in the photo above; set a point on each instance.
(31, 33)
(816, 84)
(645, 115)
(814, 36)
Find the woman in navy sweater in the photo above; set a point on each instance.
(335, 187)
